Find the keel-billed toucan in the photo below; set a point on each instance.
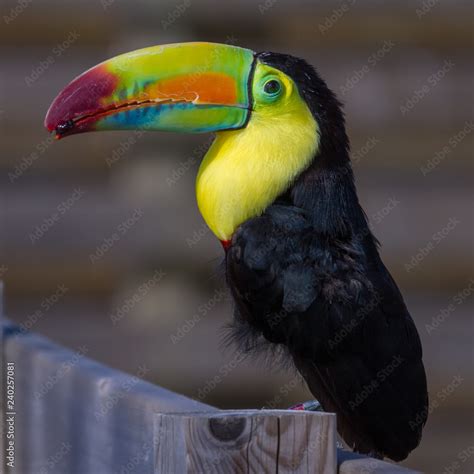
(277, 189)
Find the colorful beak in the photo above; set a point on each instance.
(184, 87)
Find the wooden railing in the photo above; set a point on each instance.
(74, 415)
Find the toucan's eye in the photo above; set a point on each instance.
(272, 87)
(269, 88)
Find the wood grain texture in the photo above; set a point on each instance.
(246, 441)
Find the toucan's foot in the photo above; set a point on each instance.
(311, 405)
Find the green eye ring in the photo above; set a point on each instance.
(269, 88)
(272, 88)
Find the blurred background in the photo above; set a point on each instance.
(104, 251)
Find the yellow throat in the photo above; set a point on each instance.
(245, 170)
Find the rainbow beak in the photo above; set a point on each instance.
(184, 87)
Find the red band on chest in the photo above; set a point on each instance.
(226, 244)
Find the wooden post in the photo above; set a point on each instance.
(246, 441)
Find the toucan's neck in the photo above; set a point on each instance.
(245, 170)
(326, 190)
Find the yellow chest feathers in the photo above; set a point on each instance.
(245, 170)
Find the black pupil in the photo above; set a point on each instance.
(272, 87)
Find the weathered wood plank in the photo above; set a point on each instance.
(260, 441)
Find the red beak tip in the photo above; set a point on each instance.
(52, 129)
(48, 124)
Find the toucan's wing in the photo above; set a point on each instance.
(341, 316)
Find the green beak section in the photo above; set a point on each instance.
(184, 87)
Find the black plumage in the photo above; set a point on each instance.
(306, 275)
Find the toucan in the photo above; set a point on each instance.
(276, 187)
